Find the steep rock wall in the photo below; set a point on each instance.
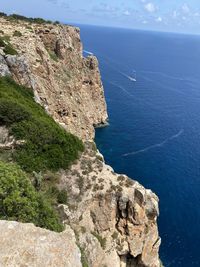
(50, 61)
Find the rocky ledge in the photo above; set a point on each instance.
(27, 245)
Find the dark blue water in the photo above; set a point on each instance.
(154, 132)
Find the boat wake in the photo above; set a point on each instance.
(166, 75)
(133, 79)
(156, 145)
(88, 52)
(123, 89)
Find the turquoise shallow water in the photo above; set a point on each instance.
(154, 132)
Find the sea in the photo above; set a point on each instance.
(152, 88)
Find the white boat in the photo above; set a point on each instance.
(133, 78)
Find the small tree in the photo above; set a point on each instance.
(19, 201)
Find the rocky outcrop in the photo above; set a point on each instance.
(27, 245)
(8, 142)
(113, 217)
(50, 61)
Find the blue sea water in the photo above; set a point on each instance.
(154, 132)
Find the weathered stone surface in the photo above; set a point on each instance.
(115, 217)
(4, 70)
(27, 245)
(50, 60)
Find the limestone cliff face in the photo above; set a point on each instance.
(113, 217)
(50, 61)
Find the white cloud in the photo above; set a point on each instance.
(159, 19)
(185, 8)
(144, 22)
(197, 14)
(126, 13)
(175, 14)
(150, 7)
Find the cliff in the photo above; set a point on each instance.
(113, 218)
(49, 59)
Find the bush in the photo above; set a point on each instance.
(47, 146)
(53, 55)
(2, 14)
(9, 50)
(17, 34)
(11, 112)
(62, 197)
(31, 20)
(20, 201)
(7, 47)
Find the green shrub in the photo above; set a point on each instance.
(101, 240)
(2, 43)
(7, 47)
(115, 235)
(2, 14)
(20, 201)
(16, 17)
(53, 55)
(84, 261)
(11, 112)
(47, 146)
(9, 50)
(62, 197)
(6, 38)
(17, 34)
(32, 20)
(48, 218)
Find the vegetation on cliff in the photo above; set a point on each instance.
(16, 17)
(46, 146)
(28, 191)
(6, 46)
(19, 200)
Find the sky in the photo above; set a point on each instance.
(162, 15)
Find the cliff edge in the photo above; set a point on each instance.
(50, 60)
(110, 219)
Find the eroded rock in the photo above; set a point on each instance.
(27, 245)
(50, 60)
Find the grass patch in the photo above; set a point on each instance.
(17, 34)
(53, 55)
(19, 201)
(84, 261)
(6, 45)
(101, 240)
(47, 146)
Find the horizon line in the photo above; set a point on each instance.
(126, 28)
